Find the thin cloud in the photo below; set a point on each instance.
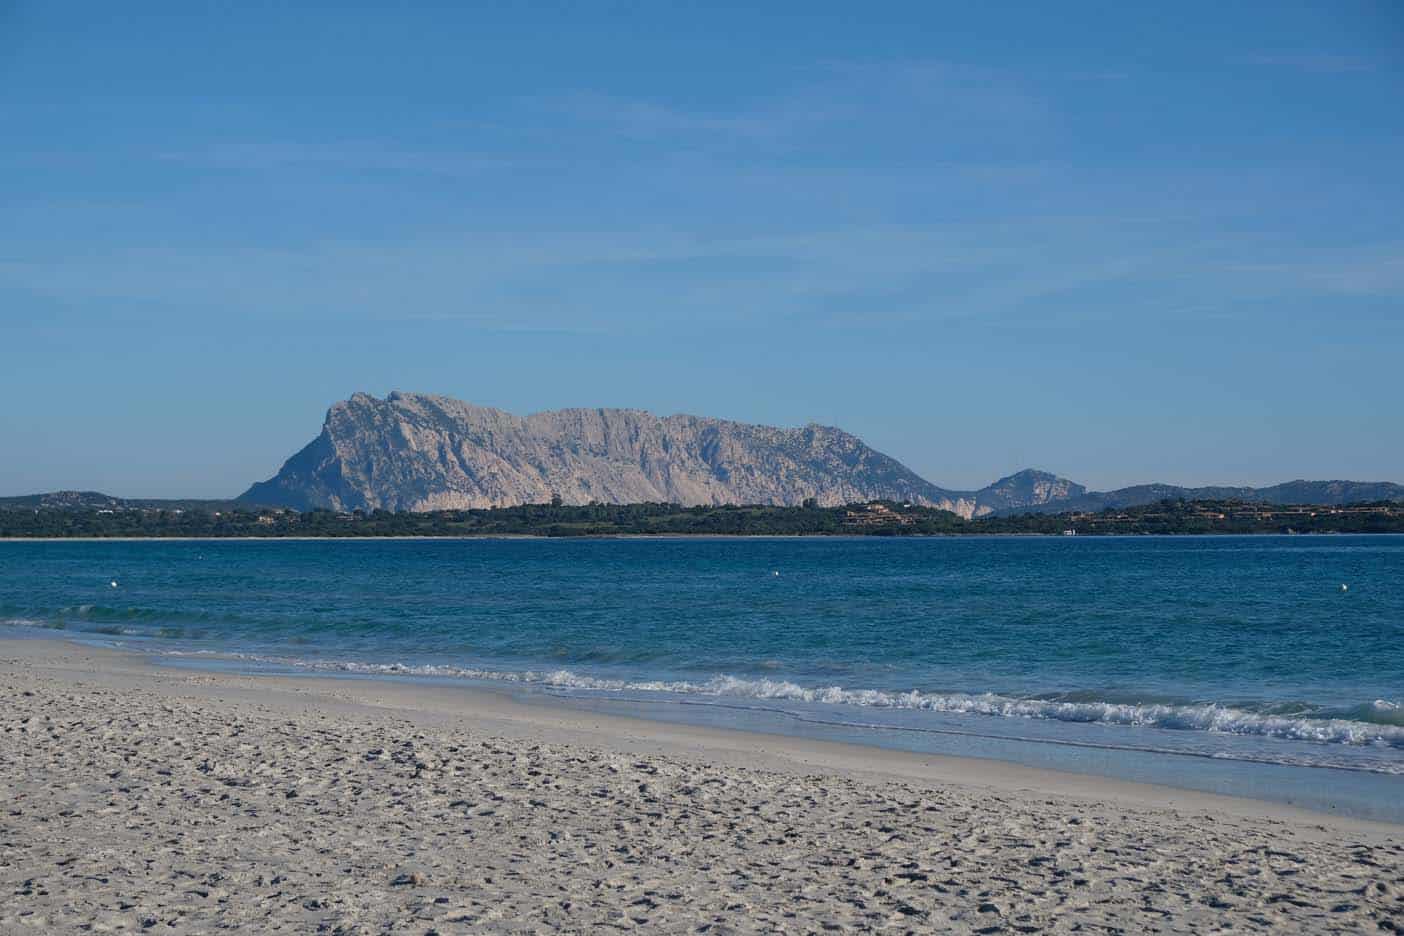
(1320, 63)
(921, 104)
(644, 119)
(1365, 276)
(350, 156)
(1374, 271)
(1037, 271)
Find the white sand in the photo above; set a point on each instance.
(135, 798)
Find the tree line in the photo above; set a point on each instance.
(879, 518)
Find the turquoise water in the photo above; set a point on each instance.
(1219, 662)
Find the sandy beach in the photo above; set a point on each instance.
(135, 798)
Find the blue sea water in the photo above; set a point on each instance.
(1238, 664)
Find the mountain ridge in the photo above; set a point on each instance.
(97, 500)
(425, 452)
(422, 452)
(1325, 493)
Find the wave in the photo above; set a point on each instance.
(1379, 723)
(1381, 730)
(128, 621)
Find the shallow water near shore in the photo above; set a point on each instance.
(1231, 664)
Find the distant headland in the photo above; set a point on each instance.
(419, 453)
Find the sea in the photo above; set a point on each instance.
(1261, 666)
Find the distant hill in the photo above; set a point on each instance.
(417, 452)
(94, 500)
(62, 500)
(1023, 491)
(1330, 493)
(420, 452)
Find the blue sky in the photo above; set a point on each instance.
(1118, 242)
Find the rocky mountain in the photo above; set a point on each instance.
(1024, 491)
(420, 452)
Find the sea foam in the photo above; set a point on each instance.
(1210, 717)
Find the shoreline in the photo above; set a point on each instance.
(672, 536)
(143, 797)
(1309, 783)
(508, 706)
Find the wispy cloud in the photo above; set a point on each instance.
(1322, 63)
(257, 156)
(1042, 271)
(833, 114)
(1107, 75)
(1374, 270)
(835, 106)
(639, 118)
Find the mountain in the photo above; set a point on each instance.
(419, 452)
(1027, 490)
(62, 500)
(95, 500)
(1326, 493)
(1334, 493)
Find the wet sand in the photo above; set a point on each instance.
(142, 799)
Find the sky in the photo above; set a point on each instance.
(1121, 242)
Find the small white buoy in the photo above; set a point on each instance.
(776, 573)
(113, 583)
(1345, 587)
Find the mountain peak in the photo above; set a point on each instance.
(1029, 476)
(414, 451)
(1024, 489)
(422, 452)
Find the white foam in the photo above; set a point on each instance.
(1210, 717)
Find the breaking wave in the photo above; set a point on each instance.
(1377, 725)
(1381, 723)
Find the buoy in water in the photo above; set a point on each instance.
(776, 573)
(1345, 587)
(113, 583)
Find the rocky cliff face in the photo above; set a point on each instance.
(420, 452)
(1025, 490)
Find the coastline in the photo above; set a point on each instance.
(505, 710)
(824, 639)
(612, 788)
(682, 536)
